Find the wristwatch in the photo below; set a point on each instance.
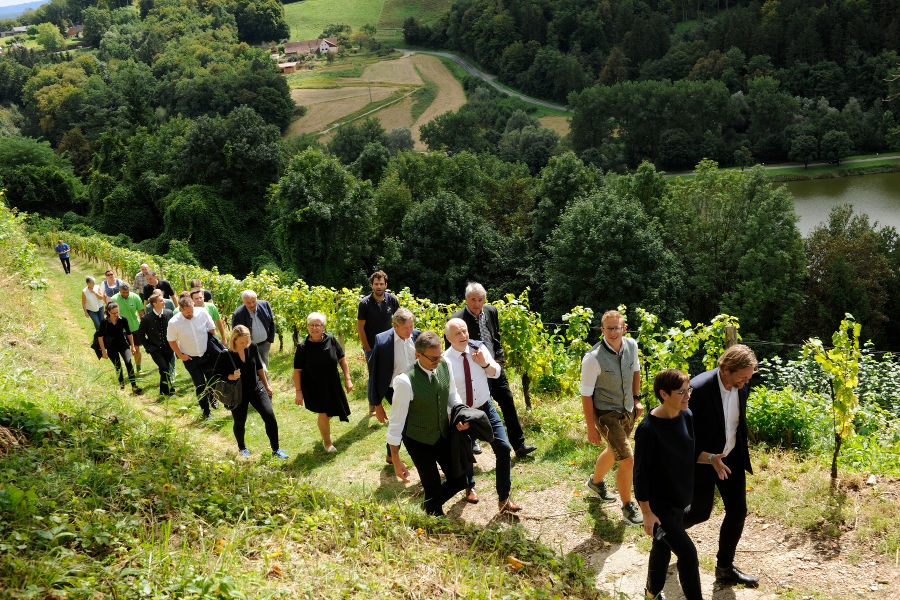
(709, 458)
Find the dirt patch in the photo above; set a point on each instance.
(450, 95)
(326, 106)
(558, 124)
(396, 115)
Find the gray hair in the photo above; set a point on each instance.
(89, 279)
(317, 316)
(426, 340)
(247, 294)
(453, 324)
(125, 286)
(185, 301)
(402, 316)
(475, 288)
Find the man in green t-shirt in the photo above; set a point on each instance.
(132, 308)
(197, 297)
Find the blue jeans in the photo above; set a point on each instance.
(502, 449)
(96, 316)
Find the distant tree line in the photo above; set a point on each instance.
(817, 72)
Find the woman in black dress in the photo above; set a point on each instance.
(664, 457)
(316, 379)
(117, 344)
(241, 361)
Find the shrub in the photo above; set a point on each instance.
(783, 418)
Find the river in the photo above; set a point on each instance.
(876, 195)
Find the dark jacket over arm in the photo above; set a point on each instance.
(709, 416)
(461, 456)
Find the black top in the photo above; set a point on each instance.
(709, 416)
(163, 285)
(320, 381)
(664, 458)
(377, 315)
(154, 328)
(249, 368)
(115, 334)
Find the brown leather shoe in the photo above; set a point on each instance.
(471, 496)
(508, 506)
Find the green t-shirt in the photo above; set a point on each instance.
(129, 307)
(212, 310)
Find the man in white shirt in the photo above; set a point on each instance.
(472, 366)
(420, 417)
(187, 335)
(719, 404)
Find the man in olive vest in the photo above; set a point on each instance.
(610, 397)
(420, 417)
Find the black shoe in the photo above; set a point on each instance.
(732, 576)
(136, 390)
(476, 447)
(524, 450)
(206, 415)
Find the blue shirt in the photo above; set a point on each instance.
(64, 248)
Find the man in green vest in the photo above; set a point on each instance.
(610, 398)
(420, 417)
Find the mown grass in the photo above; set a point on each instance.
(828, 171)
(423, 96)
(426, 12)
(308, 18)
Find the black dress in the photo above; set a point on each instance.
(320, 381)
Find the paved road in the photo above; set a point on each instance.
(488, 78)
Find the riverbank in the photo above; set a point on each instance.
(854, 166)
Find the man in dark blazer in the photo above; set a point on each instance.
(484, 326)
(719, 404)
(258, 312)
(385, 362)
(154, 325)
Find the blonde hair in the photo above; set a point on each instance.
(612, 314)
(737, 357)
(239, 331)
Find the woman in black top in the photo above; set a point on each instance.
(241, 362)
(316, 378)
(117, 344)
(664, 457)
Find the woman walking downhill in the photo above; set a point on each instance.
(241, 362)
(117, 344)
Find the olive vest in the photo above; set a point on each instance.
(613, 388)
(426, 421)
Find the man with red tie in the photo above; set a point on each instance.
(472, 365)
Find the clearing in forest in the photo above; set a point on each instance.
(557, 123)
(307, 19)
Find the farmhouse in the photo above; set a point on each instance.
(14, 31)
(320, 46)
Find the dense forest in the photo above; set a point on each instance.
(166, 135)
(674, 82)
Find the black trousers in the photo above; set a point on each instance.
(260, 400)
(734, 496)
(201, 371)
(675, 540)
(67, 267)
(503, 396)
(117, 357)
(164, 359)
(427, 457)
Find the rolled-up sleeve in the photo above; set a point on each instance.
(590, 370)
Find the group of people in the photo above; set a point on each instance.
(441, 395)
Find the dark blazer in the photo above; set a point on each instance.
(242, 317)
(709, 417)
(381, 366)
(154, 330)
(493, 324)
(461, 455)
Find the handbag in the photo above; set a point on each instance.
(228, 393)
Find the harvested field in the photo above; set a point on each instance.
(327, 106)
(400, 71)
(450, 94)
(396, 115)
(558, 124)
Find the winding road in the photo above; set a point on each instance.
(490, 79)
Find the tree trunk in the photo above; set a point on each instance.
(837, 450)
(296, 336)
(526, 390)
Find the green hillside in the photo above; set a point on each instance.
(307, 18)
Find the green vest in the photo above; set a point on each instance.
(427, 421)
(613, 388)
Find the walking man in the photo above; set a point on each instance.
(484, 325)
(154, 328)
(62, 250)
(187, 335)
(257, 316)
(719, 404)
(610, 398)
(374, 316)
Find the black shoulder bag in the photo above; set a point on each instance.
(228, 393)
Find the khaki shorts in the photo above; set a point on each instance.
(615, 427)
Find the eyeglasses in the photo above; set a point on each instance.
(432, 359)
(686, 392)
(613, 328)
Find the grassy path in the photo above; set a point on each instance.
(787, 496)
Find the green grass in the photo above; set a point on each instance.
(307, 19)
(826, 171)
(425, 11)
(423, 96)
(320, 77)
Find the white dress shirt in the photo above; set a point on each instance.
(404, 356)
(403, 396)
(190, 334)
(590, 369)
(480, 391)
(732, 414)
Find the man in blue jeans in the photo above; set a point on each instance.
(62, 250)
(472, 365)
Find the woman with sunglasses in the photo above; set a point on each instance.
(664, 458)
(110, 286)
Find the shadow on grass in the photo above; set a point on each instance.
(316, 457)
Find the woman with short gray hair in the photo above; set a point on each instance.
(316, 380)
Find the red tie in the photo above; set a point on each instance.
(468, 376)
